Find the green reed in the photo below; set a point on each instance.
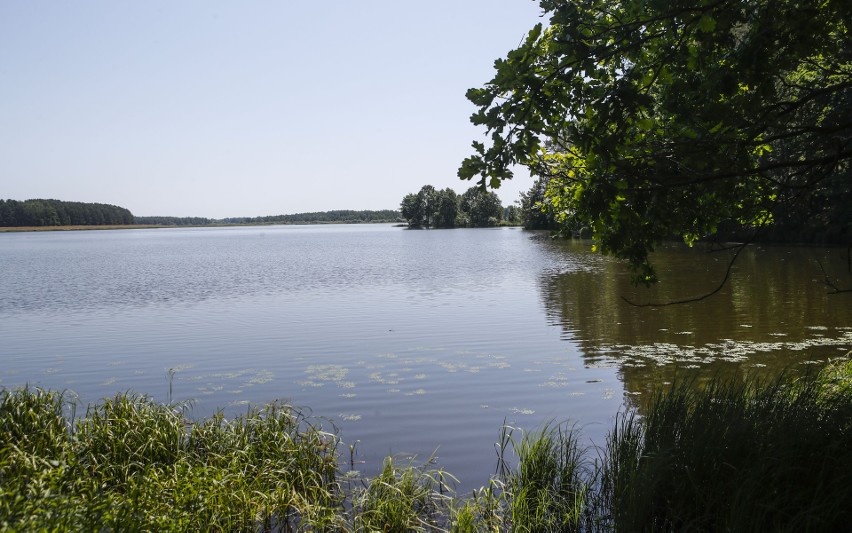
(741, 456)
(402, 498)
(134, 464)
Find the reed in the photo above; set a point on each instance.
(548, 487)
(134, 464)
(743, 456)
(403, 498)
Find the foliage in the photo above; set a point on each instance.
(341, 216)
(58, 213)
(420, 210)
(687, 118)
(536, 209)
(482, 208)
(446, 209)
(174, 221)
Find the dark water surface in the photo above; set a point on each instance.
(411, 341)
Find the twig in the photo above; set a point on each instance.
(834, 288)
(739, 247)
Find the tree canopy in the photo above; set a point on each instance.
(38, 212)
(434, 208)
(648, 120)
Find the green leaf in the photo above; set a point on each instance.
(707, 24)
(645, 123)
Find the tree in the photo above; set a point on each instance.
(411, 210)
(680, 118)
(421, 209)
(512, 214)
(536, 210)
(482, 207)
(447, 209)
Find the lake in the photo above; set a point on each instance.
(413, 342)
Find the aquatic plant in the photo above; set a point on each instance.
(721, 456)
(402, 498)
(134, 464)
(734, 456)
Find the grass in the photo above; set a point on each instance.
(738, 456)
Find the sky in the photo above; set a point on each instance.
(216, 109)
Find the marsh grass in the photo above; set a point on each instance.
(546, 490)
(741, 456)
(725, 456)
(403, 498)
(134, 464)
(738, 456)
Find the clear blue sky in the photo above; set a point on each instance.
(214, 108)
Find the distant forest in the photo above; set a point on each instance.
(345, 216)
(40, 212)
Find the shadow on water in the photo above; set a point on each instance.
(775, 313)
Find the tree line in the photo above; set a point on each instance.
(39, 212)
(477, 207)
(174, 221)
(341, 216)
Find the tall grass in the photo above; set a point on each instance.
(738, 456)
(402, 498)
(134, 464)
(726, 456)
(734, 456)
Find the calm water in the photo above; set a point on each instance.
(411, 341)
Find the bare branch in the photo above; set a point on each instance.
(739, 248)
(827, 279)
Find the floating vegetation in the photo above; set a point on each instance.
(327, 372)
(729, 350)
(519, 411)
(384, 379)
(261, 377)
(556, 382)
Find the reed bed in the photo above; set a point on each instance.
(738, 456)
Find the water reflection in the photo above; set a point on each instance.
(775, 312)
